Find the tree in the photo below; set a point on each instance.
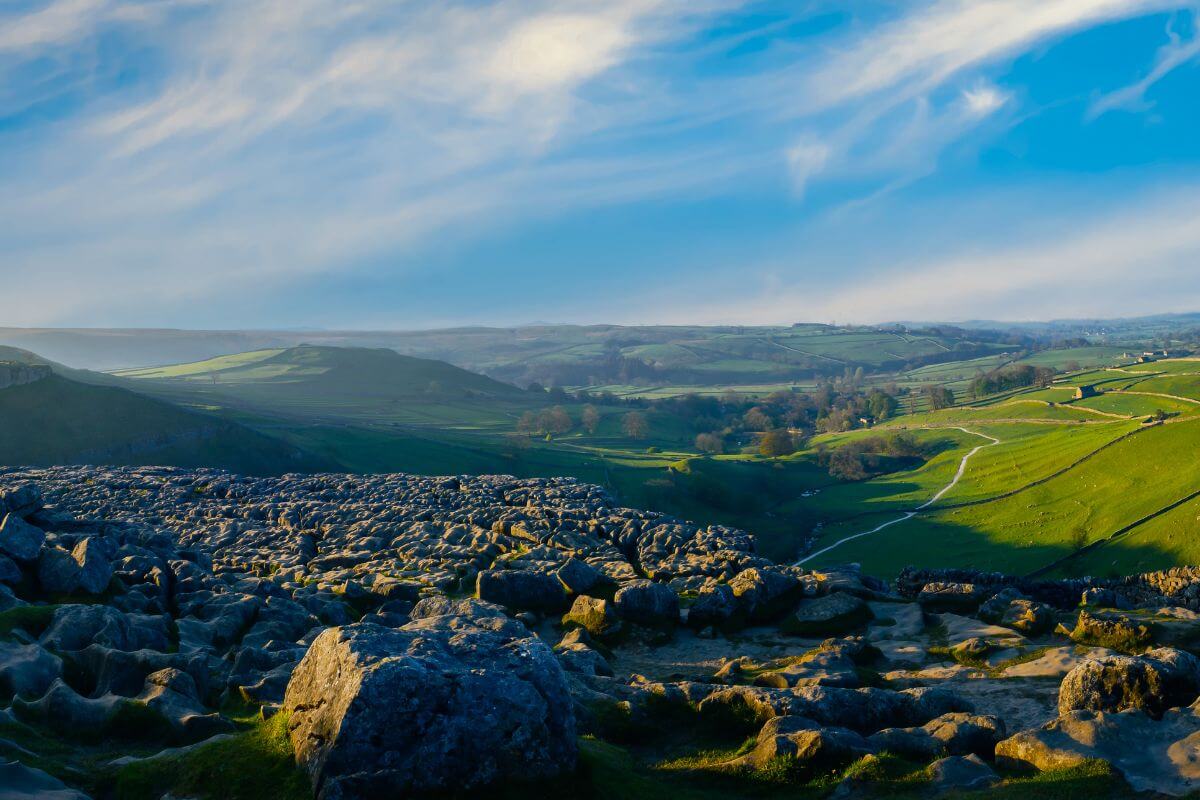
(555, 420)
(846, 465)
(777, 442)
(756, 419)
(939, 397)
(710, 443)
(590, 418)
(528, 423)
(882, 405)
(635, 425)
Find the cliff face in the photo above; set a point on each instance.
(14, 374)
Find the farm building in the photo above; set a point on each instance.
(1084, 392)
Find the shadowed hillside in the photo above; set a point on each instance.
(59, 421)
(318, 371)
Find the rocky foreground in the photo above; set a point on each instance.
(452, 635)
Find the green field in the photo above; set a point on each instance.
(1065, 473)
(1062, 478)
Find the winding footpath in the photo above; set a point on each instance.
(962, 468)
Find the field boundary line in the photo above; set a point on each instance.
(1122, 531)
(1046, 478)
(907, 515)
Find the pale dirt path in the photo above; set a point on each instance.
(962, 468)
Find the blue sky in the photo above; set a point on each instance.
(397, 164)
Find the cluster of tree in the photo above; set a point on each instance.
(939, 397)
(551, 421)
(1006, 379)
(557, 420)
(870, 456)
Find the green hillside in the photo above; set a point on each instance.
(1096, 485)
(330, 371)
(60, 421)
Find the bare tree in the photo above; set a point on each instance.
(635, 425)
(590, 418)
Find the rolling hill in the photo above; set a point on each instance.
(320, 371)
(56, 420)
(559, 354)
(1049, 483)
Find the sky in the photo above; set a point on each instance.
(394, 164)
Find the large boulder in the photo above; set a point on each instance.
(1114, 631)
(954, 734)
(803, 747)
(763, 593)
(598, 617)
(961, 773)
(714, 605)
(19, 539)
(1152, 755)
(644, 602)
(24, 499)
(27, 670)
(830, 615)
(19, 782)
(521, 590)
(1161, 679)
(444, 703)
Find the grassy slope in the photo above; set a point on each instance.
(1133, 478)
(330, 371)
(58, 421)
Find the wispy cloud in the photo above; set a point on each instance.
(923, 49)
(261, 142)
(1136, 258)
(1174, 54)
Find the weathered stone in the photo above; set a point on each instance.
(1158, 680)
(714, 606)
(763, 594)
(598, 617)
(833, 614)
(10, 573)
(579, 577)
(961, 774)
(644, 602)
(27, 670)
(95, 571)
(804, 746)
(1152, 755)
(521, 590)
(58, 571)
(445, 703)
(19, 782)
(1114, 631)
(954, 734)
(950, 596)
(19, 539)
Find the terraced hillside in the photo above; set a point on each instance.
(1099, 485)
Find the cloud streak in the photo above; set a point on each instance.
(261, 143)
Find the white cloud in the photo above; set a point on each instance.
(806, 158)
(60, 21)
(927, 47)
(983, 100)
(1175, 53)
(280, 139)
(1140, 258)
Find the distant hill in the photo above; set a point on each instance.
(328, 372)
(56, 420)
(572, 355)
